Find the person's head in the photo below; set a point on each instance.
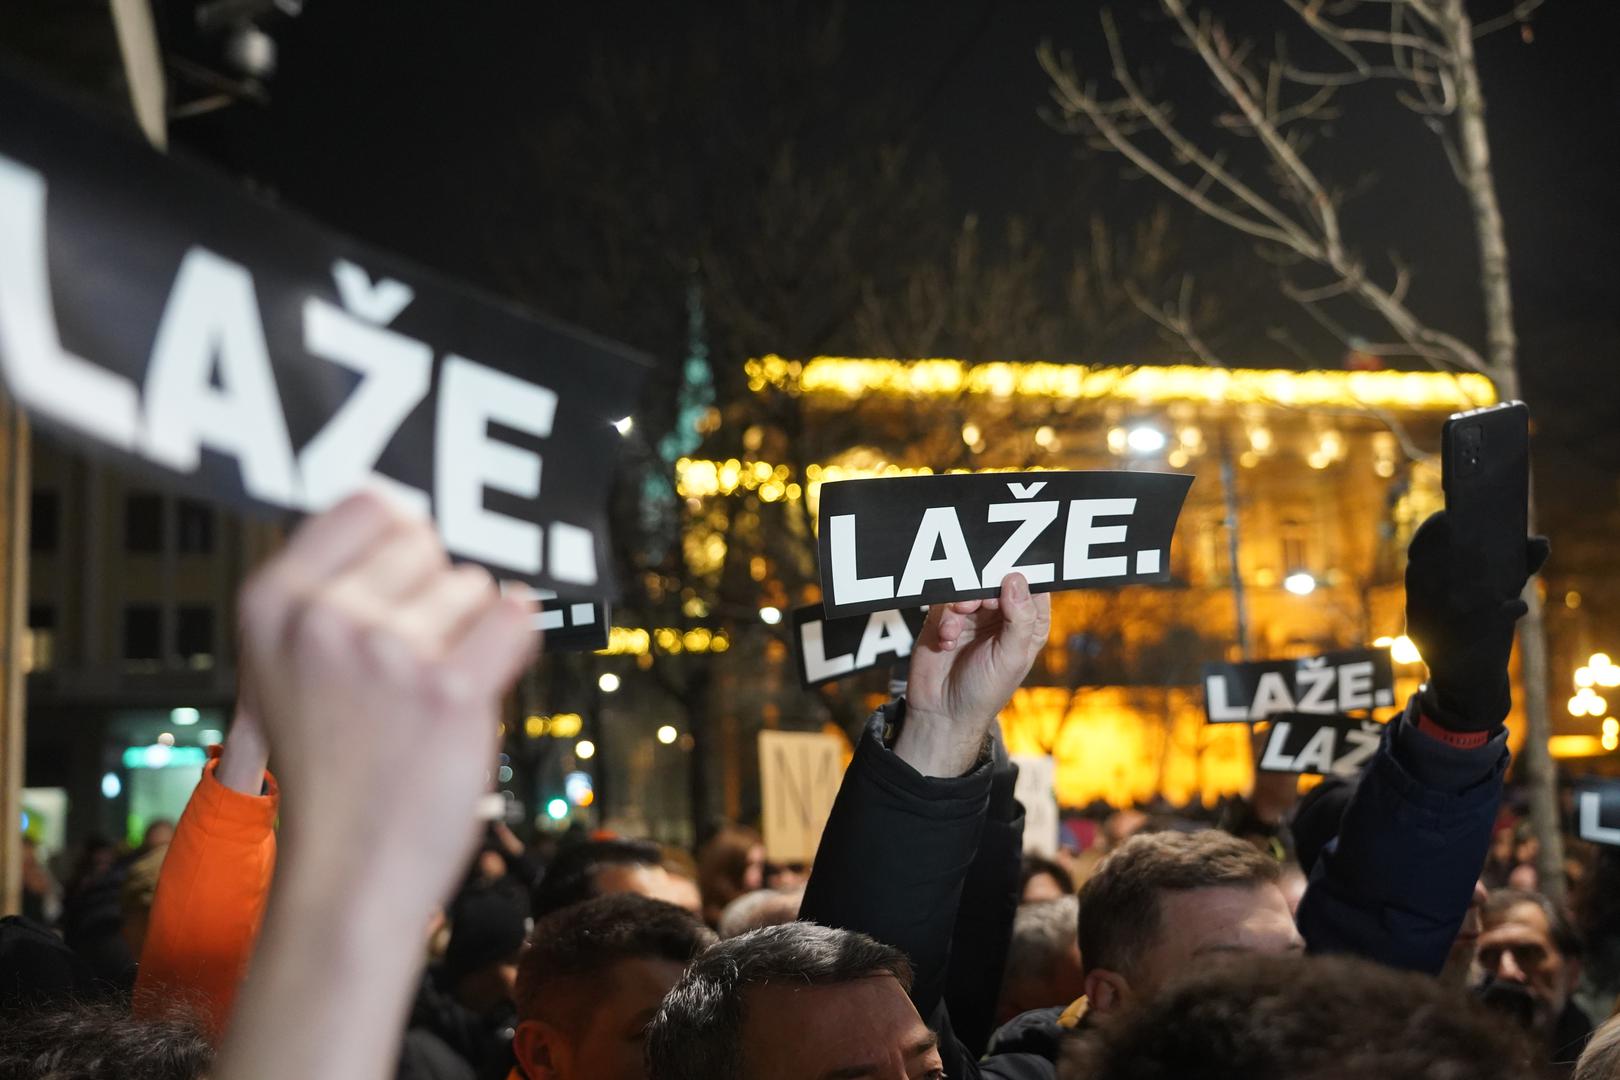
(1043, 879)
(760, 908)
(1601, 1058)
(590, 981)
(1287, 1018)
(605, 868)
(1165, 903)
(100, 1043)
(793, 1002)
(1043, 959)
(1531, 957)
(731, 863)
(490, 865)
(487, 927)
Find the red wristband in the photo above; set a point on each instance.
(1462, 740)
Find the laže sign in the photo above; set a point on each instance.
(153, 313)
(1352, 680)
(902, 541)
(1319, 745)
(829, 649)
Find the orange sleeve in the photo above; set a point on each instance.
(209, 902)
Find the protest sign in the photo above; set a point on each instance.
(1336, 682)
(1598, 811)
(572, 626)
(829, 649)
(900, 541)
(153, 313)
(1319, 745)
(1033, 790)
(799, 774)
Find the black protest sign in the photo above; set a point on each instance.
(1597, 811)
(829, 649)
(573, 626)
(1336, 682)
(901, 541)
(153, 313)
(1319, 745)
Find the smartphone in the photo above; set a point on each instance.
(1485, 470)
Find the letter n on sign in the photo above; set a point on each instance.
(799, 774)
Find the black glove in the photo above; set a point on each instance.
(1467, 650)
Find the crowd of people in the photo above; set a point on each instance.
(351, 917)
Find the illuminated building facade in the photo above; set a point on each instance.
(1316, 479)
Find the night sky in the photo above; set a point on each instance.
(399, 127)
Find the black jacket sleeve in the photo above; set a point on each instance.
(1396, 882)
(984, 921)
(894, 855)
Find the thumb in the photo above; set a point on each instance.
(1018, 608)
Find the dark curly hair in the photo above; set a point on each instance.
(1320, 1018)
(100, 1042)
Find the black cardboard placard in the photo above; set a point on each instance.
(1347, 681)
(155, 314)
(573, 625)
(902, 541)
(1312, 744)
(1597, 811)
(829, 649)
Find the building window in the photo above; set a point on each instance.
(196, 522)
(194, 636)
(41, 641)
(143, 523)
(143, 633)
(1295, 551)
(44, 522)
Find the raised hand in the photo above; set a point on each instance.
(378, 670)
(966, 664)
(1466, 649)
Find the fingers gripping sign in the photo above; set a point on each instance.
(970, 658)
(379, 669)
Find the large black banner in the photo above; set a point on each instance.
(1597, 810)
(1319, 745)
(829, 649)
(901, 541)
(1353, 680)
(150, 310)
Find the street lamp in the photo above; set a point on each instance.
(608, 682)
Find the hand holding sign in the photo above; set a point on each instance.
(970, 658)
(1467, 651)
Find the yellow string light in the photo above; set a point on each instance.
(848, 377)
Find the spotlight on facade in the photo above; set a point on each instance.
(1300, 583)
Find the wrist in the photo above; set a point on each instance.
(938, 745)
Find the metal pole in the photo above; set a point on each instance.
(14, 506)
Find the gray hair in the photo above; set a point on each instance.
(697, 1034)
(759, 909)
(1601, 1058)
(1042, 934)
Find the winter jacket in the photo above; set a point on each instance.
(209, 903)
(1394, 888)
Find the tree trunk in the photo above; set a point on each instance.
(1535, 760)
